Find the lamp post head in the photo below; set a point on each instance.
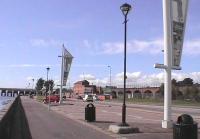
(125, 8)
(48, 68)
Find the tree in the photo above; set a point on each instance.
(174, 89)
(161, 90)
(186, 81)
(49, 85)
(39, 85)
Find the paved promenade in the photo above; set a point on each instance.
(69, 119)
(50, 125)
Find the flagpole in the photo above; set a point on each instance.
(61, 79)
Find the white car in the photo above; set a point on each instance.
(88, 98)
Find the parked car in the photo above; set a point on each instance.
(53, 98)
(88, 98)
(79, 97)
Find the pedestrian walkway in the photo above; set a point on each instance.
(46, 124)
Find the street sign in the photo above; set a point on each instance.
(179, 14)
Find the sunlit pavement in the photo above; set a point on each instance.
(147, 118)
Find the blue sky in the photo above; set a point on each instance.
(33, 31)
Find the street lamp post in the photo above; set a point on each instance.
(110, 74)
(125, 8)
(48, 86)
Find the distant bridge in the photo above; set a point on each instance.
(12, 92)
(144, 92)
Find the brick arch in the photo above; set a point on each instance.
(147, 94)
(114, 94)
(137, 94)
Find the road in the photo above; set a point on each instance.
(135, 112)
(146, 117)
(46, 124)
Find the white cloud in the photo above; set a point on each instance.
(28, 65)
(46, 43)
(134, 46)
(139, 79)
(87, 77)
(29, 78)
(192, 47)
(86, 44)
(89, 65)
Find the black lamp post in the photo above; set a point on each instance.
(47, 80)
(125, 8)
(110, 74)
(48, 86)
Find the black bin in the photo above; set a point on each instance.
(185, 128)
(90, 112)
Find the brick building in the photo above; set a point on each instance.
(83, 87)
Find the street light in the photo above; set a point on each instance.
(33, 86)
(125, 8)
(110, 74)
(48, 86)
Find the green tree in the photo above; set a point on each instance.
(49, 85)
(186, 81)
(39, 85)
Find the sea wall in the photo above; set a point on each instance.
(13, 121)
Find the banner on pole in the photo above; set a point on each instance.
(179, 14)
(67, 61)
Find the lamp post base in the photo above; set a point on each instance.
(123, 129)
(123, 124)
(167, 124)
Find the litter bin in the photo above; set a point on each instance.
(90, 112)
(185, 128)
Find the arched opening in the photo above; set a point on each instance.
(158, 94)
(21, 93)
(3, 93)
(114, 94)
(9, 93)
(128, 94)
(27, 93)
(15, 93)
(120, 94)
(148, 94)
(137, 94)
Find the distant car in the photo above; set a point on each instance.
(88, 98)
(64, 97)
(53, 98)
(79, 97)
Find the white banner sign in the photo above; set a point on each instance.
(179, 12)
(67, 61)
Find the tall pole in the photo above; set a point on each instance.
(124, 99)
(33, 86)
(61, 78)
(167, 21)
(125, 8)
(48, 87)
(110, 75)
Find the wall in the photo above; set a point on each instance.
(13, 122)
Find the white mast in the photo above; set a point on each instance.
(61, 78)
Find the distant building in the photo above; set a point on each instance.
(83, 87)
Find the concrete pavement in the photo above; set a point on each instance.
(46, 124)
(72, 113)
